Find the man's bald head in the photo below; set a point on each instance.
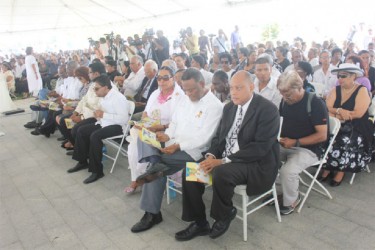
(241, 87)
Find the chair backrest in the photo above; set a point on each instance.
(319, 88)
(334, 128)
(126, 126)
(371, 109)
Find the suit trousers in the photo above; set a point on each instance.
(62, 126)
(89, 144)
(152, 193)
(71, 134)
(224, 179)
(296, 160)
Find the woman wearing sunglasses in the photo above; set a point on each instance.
(349, 103)
(160, 106)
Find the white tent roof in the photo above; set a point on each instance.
(33, 15)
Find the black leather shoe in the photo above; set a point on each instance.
(35, 132)
(148, 221)
(70, 153)
(78, 167)
(334, 183)
(322, 178)
(93, 177)
(221, 226)
(192, 231)
(31, 124)
(148, 177)
(62, 138)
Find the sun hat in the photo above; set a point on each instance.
(350, 68)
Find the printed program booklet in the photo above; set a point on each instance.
(149, 137)
(195, 173)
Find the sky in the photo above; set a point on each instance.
(312, 20)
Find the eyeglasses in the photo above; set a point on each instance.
(342, 76)
(164, 78)
(224, 62)
(97, 88)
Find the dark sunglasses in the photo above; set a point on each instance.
(164, 78)
(342, 76)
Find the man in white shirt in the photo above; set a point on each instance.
(198, 62)
(134, 81)
(189, 134)
(324, 75)
(265, 85)
(297, 55)
(111, 119)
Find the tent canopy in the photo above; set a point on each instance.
(27, 15)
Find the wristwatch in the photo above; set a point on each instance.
(225, 160)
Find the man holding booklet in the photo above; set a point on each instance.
(244, 151)
(189, 133)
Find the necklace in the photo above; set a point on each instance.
(350, 90)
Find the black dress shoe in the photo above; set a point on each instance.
(70, 153)
(78, 167)
(148, 221)
(93, 177)
(153, 172)
(31, 124)
(334, 183)
(35, 132)
(221, 226)
(322, 178)
(192, 231)
(62, 138)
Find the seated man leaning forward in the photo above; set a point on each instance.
(303, 135)
(112, 117)
(190, 131)
(244, 151)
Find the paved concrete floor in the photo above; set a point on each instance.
(43, 207)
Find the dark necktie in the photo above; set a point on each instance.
(145, 88)
(233, 136)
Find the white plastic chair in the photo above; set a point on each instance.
(334, 127)
(319, 88)
(113, 141)
(241, 190)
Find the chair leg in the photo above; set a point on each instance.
(276, 203)
(352, 179)
(244, 216)
(117, 154)
(168, 194)
(368, 168)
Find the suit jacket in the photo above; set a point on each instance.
(153, 87)
(257, 140)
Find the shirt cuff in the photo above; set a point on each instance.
(209, 154)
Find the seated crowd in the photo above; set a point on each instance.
(223, 113)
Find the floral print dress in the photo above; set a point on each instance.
(351, 151)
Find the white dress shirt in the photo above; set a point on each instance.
(329, 79)
(270, 92)
(244, 107)
(133, 82)
(71, 88)
(115, 108)
(194, 124)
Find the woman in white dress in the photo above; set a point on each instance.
(6, 102)
(160, 106)
(34, 80)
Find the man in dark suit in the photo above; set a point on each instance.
(244, 151)
(149, 85)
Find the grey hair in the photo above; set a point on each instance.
(289, 80)
(72, 65)
(152, 64)
(170, 63)
(266, 56)
(139, 59)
